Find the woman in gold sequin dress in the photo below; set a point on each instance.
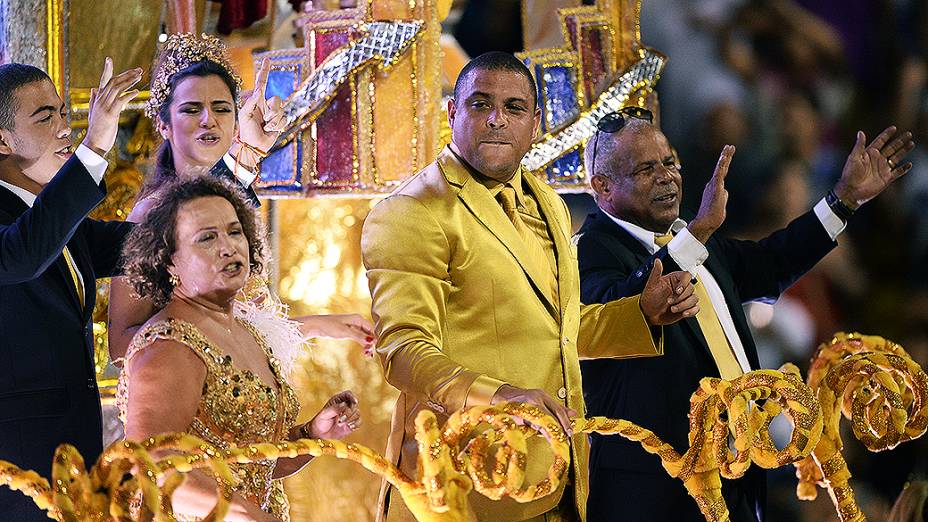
(197, 366)
(193, 104)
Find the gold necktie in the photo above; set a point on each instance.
(507, 200)
(72, 267)
(708, 320)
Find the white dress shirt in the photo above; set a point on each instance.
(243, 175)
(690, 254)
(95, 165)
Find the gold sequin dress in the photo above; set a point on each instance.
(236, 407)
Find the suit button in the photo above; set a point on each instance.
(91, 384)
(562, 393)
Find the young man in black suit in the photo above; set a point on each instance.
(637, 185)
(50, 257)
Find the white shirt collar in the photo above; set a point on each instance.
(27, 197)
(645, 237)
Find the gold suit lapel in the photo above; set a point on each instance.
(557, 229)
(478, 200)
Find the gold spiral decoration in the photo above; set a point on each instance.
(720, 407)
(453, 460)
(875, 384)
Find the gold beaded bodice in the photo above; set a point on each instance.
(236, 406)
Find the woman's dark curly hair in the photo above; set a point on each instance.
(147, 251)
(163, 169)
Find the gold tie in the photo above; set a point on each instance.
(507, 200)
(708, 320)
(72, 267)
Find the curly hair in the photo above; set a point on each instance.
(148, 249)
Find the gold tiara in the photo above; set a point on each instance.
(179, 52)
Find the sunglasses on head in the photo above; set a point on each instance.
(614, 122)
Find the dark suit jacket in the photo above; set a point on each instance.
(48, 392)
(221, 170)
(626, 482)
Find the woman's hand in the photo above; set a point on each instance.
(259, 120)
(336, 420)
(340, 326)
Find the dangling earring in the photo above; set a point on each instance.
(175, 280)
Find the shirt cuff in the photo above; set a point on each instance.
(687, 251)
(243, 175)
(482, 390)
(93, 162)
(832, 223)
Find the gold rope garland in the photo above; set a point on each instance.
(454, 460)
(717, 408)
(873, 382)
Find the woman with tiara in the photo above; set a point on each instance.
(194, 104)
(198, 366)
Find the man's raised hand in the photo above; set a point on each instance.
(106, 102)
(712, 211)
(869, 169)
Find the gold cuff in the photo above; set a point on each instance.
(482, 390)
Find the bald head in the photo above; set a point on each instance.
(636, 176)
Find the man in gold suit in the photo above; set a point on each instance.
(476, 292)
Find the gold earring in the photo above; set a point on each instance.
(174, 279)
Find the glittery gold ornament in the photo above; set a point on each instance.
(481, 448)
(875, 384)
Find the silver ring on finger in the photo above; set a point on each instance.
(891, 164)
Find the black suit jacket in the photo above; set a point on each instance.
(48, 392)
(221, 170)
(626, 482)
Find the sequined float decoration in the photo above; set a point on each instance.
(875, 384)
(334, 152)
(641, 77)
(384, 43)
(557, 83)
(281, 171)
(587, 30)
(481, 448)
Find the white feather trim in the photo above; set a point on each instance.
(283, 336)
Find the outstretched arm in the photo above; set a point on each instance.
(31, 242)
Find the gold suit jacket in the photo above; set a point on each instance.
(459, 311)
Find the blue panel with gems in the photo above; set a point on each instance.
(281, 171)
(559, 96)
(565, 168)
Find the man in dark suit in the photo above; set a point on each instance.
(50, 256)
(637, 185)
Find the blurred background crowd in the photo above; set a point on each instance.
(789, 82)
